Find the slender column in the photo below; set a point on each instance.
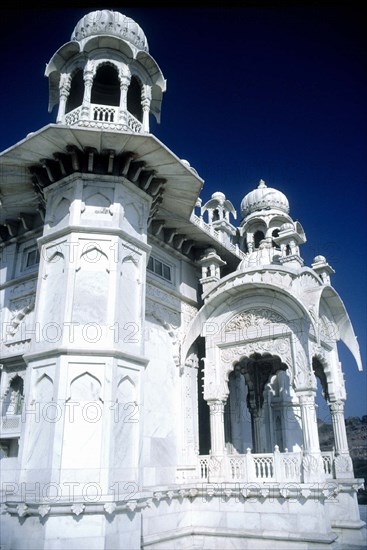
(124, 86)
(256, 430)
(312, 463)
(88, 83)
(217, 427)
(343, 463)
(340, 433)
(146, 96)
(311, 442)
(64, 94)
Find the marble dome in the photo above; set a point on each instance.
(263, 198)
(113, 23)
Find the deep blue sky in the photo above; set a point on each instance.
(277, 93)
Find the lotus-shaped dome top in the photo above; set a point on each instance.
(112, 23)
(264, 198)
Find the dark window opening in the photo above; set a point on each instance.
(159, 268)
(203, 408)
(32, 257)
(75, 97)
(134, 99)
(9, 447)
(106, 87)
(215, 215)
(258, 237)
(275, 233)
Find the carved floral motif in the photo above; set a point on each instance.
(278, 346)
(312, 464)
(254, 318)
(343, 464)
(18, 309)
(158, 294)
(110, 507)
(43, 510)
(78, 508)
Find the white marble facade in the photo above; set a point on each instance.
(160, 364)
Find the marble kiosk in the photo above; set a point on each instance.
(160, 360)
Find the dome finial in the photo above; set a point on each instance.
(262, 184)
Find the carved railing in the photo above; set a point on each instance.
(328, 463)
(104, 113)
(263, 467)
(133, 123)
(106, 116)
(73, 117)
(10, 425)
(216, 234)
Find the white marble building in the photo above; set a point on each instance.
(159, 359)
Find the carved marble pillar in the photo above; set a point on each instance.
(88, 83)
(216, 407)
(124, 86)
(311, 442)
(256, 430)
(343, 462)
(312, 460)
(146, 97)
(64, 94)
(340, 434)
(189, 399)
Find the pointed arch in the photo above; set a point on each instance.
(97, 199)
(126, 389)
(93, 248)
(55, 257)
(85, 387)
(44, 388)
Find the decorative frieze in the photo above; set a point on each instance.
(254, 318)
(157, 294)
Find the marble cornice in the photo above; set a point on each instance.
(240, 492)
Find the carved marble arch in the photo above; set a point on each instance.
(278, 348)
(97, 200)
(125, 391)
(85, 387)
(10, 377)
(93, 258)
(13, 395)
(258, 369)
(322, 371)
(106, 84)
(254, 387)
(43, 390)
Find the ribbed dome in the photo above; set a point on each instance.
(113, 23)
(264, 198)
